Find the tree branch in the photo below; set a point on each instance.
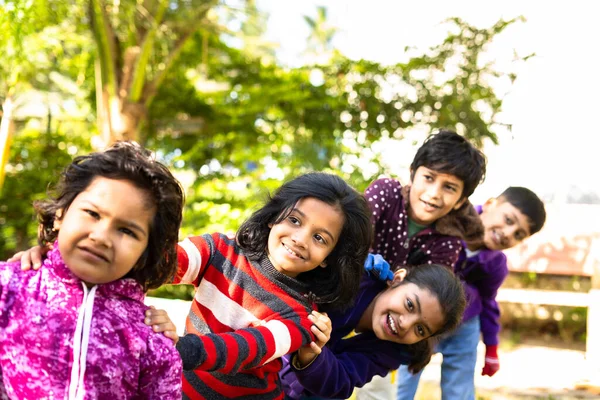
(139, 70)
(152, 87)
(105, 39)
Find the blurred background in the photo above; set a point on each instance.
(238, 96)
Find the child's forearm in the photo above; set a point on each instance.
(220, 352)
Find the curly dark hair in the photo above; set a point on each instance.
(125, 161)
(336, 285)
(445, 285)
(449, 153)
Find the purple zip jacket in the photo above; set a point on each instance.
(482, 273)
(61, 340)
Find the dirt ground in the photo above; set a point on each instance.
(530, 369)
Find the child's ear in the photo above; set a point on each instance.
(459, 204)
(491, 202)
(57, 220)
(399, 275)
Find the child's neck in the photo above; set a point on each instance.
(365, 323)
(475, 246)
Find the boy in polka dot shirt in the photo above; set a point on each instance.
(425, 221)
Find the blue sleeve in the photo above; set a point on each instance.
(336, 375)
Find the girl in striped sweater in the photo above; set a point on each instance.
(255, 293)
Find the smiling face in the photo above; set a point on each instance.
(303, 240)
(504, 225)
(105, 230)
(433, 195)
(406, 314)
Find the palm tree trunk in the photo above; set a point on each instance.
(7, 127)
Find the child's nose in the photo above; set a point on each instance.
(434, 191)
(99, 233)
(300, 237)
(510, 232)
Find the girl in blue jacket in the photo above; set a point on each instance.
(392, 325)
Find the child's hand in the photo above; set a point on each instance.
(322, 332)
(30, 257)
(492, 364)
(160, 322)
(375, 263)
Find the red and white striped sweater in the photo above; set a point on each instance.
(244, 317)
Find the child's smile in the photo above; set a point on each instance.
(406, 314)
(392, 325)
(433, 195)
(294, 253)
(304, 239)
(504, 225)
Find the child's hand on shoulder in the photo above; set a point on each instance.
(160, 322)
(30, 258)
(322, 330)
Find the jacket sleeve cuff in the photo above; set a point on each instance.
(491, 351)
(297, 365)
(191, 350)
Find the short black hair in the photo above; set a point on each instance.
(528, 203)
(336, 285)
(131, 162)
(449, 153)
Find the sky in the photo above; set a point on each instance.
(554, 142)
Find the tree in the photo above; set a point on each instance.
(319, 44)
(260, 123)
(138, 43)
(36, 61)
(16, 68)
(271, 123)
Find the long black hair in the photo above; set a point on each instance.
(131, 162)
(336, 285)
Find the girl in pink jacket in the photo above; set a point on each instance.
(75, 328)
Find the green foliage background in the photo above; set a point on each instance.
(229, 120)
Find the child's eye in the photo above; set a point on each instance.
(294, 220)
(409, 304)
(428, 177)
(519, 235)
(508, 220)
(420, 330)
(451, 188)
(128, 232)
(320, 239)
(92, 214)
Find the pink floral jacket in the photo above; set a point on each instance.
(61, 340)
